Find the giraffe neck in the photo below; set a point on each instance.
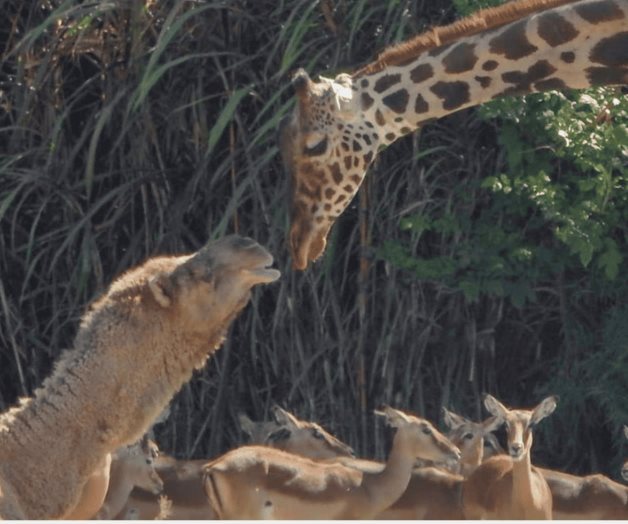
(572, 46)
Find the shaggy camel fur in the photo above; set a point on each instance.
(136, 346)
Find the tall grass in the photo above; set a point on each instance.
(130, 129)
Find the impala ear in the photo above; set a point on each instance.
(494, 406)
(246, 424)
(626, 431)
(162, 289)
(544, 409)
(452, 420)
(394, 417)
(283, 417)
(491, 424)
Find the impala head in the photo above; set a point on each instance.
(469, 436)
(624, 470)
(520, 423)
(139, 465)
(305, 438)
(327, 146)
(257, 432)
(427, 442)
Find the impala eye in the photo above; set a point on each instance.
(467, 436)
(317, 148)
(317, 434)
(426, 431)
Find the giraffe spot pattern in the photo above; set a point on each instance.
(397, 101)
(606, 76)
(357, 146)
(611, 51)
(460, 59)
(453, 94)
(385, 82)
(484, 81)
(522, 82)
(329, 193)
(348, 188)
(550, 84)
(568, 57)
(420, 105)
(512, 43)
(421, 73)
(379, 118)
(438, 50)
(336, 173)
(555, 30)
(347, 165)
(367, 101)
(367, 160)
(490, 65)
(390, 136)
(598, 12)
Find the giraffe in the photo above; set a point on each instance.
(339, 125)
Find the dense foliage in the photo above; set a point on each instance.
(485, 253)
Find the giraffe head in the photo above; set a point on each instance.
(326, 145)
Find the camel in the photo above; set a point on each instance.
(136, 346)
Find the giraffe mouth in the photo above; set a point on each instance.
(307, 243)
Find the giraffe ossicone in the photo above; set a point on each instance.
(338, 125)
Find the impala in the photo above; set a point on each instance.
(508, 486)
(258, 482)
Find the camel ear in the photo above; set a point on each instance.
(394, 417)
(494, 406)
(283, 417)
(452, 420)
(161, 288)
(544, 409)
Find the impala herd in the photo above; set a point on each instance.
(294, 469)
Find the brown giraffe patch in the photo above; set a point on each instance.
(390, 136)
(438, 50)
(550, 84)
(355, 179)
(379, 118)
(397, 101)
(522, 82)
(327, 207)
(367, 101)
(512, 42)
(421, 73)
(460, 59)
(336, 173)
(364, 82)
(612, 51)
(329, 193)
(453, 94)
(568, 57)
(348, 188)
(598, 12)
(490, 65)
(385, 82)
(555, 30)
(420, 105)
(357, 146)
(347, 165)
(606, 76)
(484, 81)
(367, 160)
(340, 199)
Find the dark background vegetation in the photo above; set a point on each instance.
(486, 252)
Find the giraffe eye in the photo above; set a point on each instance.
(318, 148)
